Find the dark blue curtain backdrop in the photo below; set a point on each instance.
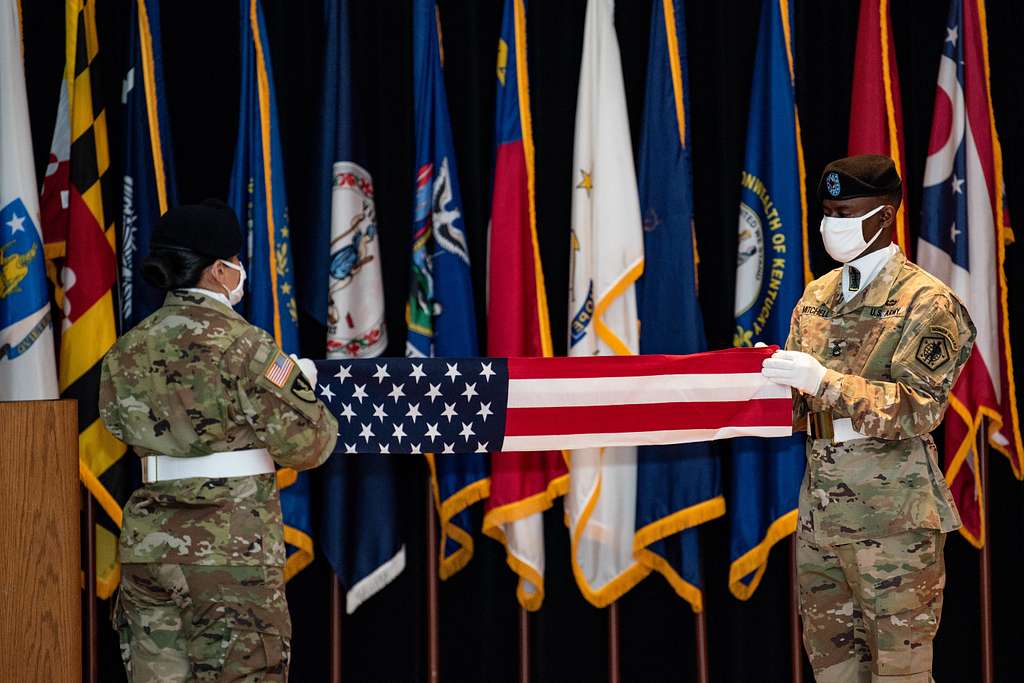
(385, 640)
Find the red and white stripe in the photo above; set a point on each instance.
(601, 402)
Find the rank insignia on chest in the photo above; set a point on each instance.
(933, 352)
(854, 279)
(837, 346)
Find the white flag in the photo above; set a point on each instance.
(27, 363)
(355, 298)
(607, 258)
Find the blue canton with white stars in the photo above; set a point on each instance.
(416, 405)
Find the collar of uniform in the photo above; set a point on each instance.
(194, 296)
(876, 293)
(868, 267)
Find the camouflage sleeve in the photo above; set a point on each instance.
(109, 412)
(793, 343)
(275, 398)
(935, 344)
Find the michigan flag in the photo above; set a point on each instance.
(678, 487)
(79, 235)
(27, 369)
(359, 532)
(607, 253)
(963, 236)
(771, 270)
(440, 312)
(876, 111)
(147, 190)
(258, 197)
(523, 485)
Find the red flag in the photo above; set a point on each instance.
(876, 111)
(522, 484)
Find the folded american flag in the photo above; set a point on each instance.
(485, 405)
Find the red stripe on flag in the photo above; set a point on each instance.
(727, 361)
(647, 417)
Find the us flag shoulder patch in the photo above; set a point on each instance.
(278, 371)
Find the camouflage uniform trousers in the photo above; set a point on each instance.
(871, 608)
(187, 622)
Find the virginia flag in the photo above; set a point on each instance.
(258, 197)
(79, 236)
(359, 527)
(678, 487)
(440, 312)
(607, 253)
(876, 111)
(148, 188)
(27, 369)
(771, 270)
(523, 485)
(963, 235)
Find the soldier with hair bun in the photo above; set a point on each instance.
(210, 403)
(874, 348)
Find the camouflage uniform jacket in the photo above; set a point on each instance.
(190, 380)
(892, 354)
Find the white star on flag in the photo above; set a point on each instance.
(17, 224)
(958, 184)
(378, 412)
(953, 232)
(326, 392)
(414, 411)
(343, 374)
(384, 448)
(417, 372)
(367, 433)
(415, 449)
(952, 34)
(467, 431)
(453, 371)
(350, 448)
(396, 392)
(486, 371)
(399, 432)
(470, 391)
(448, 448)
(485, 411)
(382, 373)
(481, 447)
(435, 392)
(360, 393)
(347, 412)
(432, 432)
(449, 411)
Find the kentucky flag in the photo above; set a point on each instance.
(440, 312)
(963, 234)
(678, 487)
(148, 187)
(344, 290)
(257, 195)
(771, 269)
(27, 369)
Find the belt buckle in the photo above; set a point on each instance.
(819, 425)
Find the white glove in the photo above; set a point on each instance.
(308, 369)
(794, 369)
(760, 345)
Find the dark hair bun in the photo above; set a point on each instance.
(169, 268)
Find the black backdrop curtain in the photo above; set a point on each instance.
(385, 640)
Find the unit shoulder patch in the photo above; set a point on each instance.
(933, 351)
(302, 390)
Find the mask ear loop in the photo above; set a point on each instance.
(866, 216)
(232, 266)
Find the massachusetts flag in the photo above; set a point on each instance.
(963, 233)
(523, 485)
(477, 405)
(27, 369)
(440, 312)
(257, 194)
(147, 189)
(771, 270)
(876, 111)
(678, 487)
(607, 255)
(343, 289)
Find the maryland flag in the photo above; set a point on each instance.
(876, 111)
(79, 235)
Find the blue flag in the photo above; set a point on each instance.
(358, 491)
(678, 487)
(148, 187)
(440, 312)
(770, 276)
(257, 195)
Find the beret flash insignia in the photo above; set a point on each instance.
(832, 184)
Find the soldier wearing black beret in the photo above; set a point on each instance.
(874, 348)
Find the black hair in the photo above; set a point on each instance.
(170, 268)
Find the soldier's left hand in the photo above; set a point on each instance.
(794, 369)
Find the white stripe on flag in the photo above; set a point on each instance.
(652, 438)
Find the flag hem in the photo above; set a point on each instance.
(756, 559)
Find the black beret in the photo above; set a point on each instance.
(864, 175)
(209, 229)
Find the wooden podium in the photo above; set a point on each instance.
(40, 572)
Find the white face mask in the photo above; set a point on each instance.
(235, 295)
(844, 237)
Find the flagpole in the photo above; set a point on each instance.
(613, 643)
(796, 655)
(335, 628)
(433, 622)
(91, 621)
(985, 563)
(701, 635)
(524, 646)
